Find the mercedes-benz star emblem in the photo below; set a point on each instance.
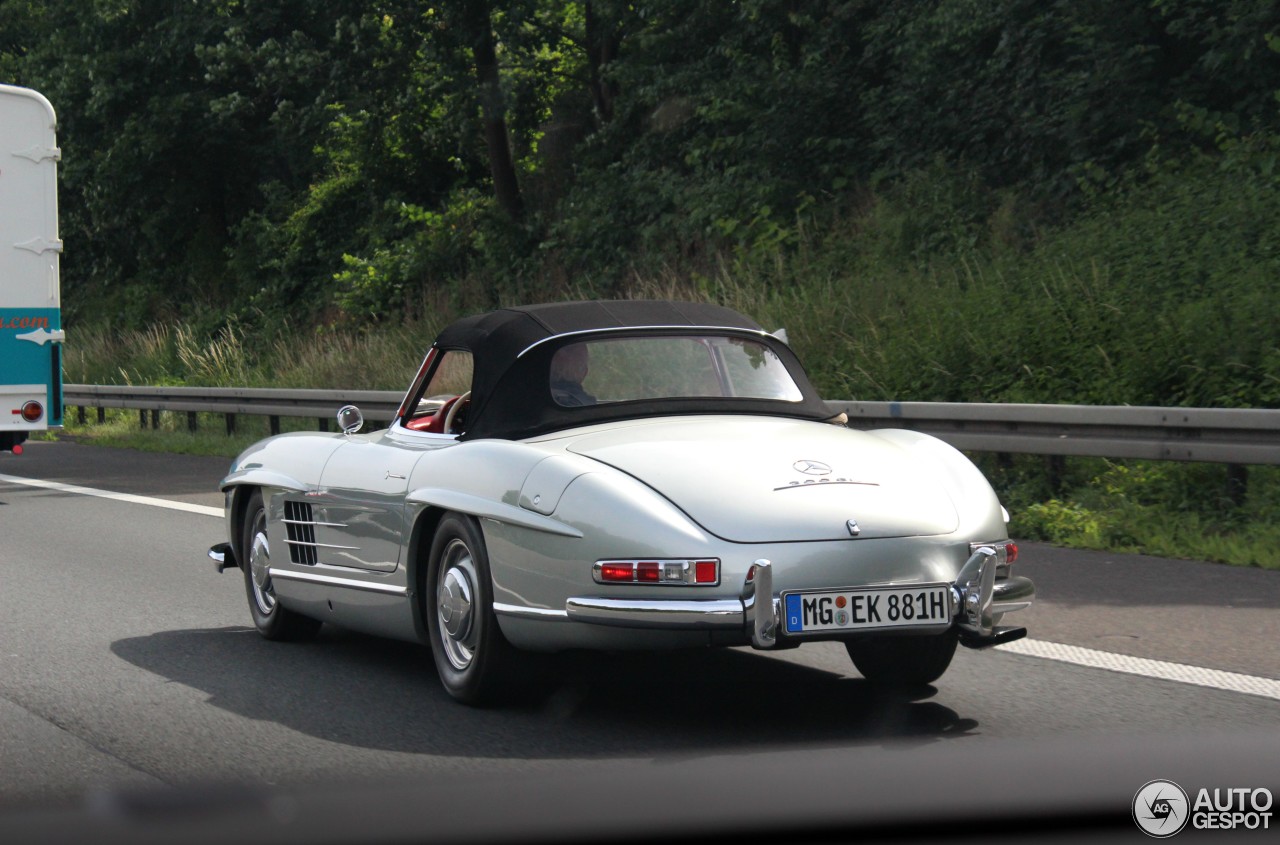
(811, 467)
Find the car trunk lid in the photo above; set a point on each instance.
(758, 480)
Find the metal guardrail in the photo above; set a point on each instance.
(1211, 435)
(377, 405)
(1229, 436)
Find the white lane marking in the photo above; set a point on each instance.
(1160, 669)
(203, 510)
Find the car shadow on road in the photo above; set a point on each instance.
(373, 693)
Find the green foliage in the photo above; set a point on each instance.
(1166, 509)
(271, 160)
(469, 240)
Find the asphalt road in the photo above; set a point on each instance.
(129, 669)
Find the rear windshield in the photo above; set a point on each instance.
(629, 369)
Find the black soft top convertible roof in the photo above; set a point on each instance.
(512, 347)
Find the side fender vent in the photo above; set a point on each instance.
(300, 526)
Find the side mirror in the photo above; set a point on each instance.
(350, 420)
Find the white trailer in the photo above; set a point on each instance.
(30, 297)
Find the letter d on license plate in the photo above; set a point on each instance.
(863, 609)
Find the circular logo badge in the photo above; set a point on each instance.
(811, 467)
(1161, 808)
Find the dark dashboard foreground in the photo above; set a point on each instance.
(974, 789)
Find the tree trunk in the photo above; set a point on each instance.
(602, 48)
(506, 188)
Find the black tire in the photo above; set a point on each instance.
(903, 661)
(271, 619)
(475, 662)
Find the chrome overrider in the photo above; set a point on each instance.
(222, 556)
(979, 599)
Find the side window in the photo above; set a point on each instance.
(452, 375)
(450, 378)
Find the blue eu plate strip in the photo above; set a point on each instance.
(794, 618)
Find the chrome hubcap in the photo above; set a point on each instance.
(259, 561)
(455, 604)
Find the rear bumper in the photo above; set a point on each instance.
(657, 613)
(978, 602)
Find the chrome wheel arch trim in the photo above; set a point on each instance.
(258, 477)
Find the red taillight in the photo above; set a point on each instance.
(703, 573)
(1011, 552)
(32, 411)
(616, 572)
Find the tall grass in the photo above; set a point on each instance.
(174, 354)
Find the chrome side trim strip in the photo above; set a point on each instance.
(313, 522)
(530, 612)
(321, 545)
(656, 613)
(335, 581)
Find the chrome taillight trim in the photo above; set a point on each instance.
(687, 567)
(1001, 549)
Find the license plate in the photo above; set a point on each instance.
(864, 609)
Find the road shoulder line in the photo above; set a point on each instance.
(1147, 668)
(203, 510)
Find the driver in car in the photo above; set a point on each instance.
(569, 366)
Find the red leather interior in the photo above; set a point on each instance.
(433, 423)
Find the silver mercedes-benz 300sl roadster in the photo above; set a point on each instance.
(621, 475)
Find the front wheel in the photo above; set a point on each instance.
(903, 661)
(474, 661)
(272, 621)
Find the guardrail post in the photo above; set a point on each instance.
(102, 415)
(155, 418)
(80, 414)
(324, 423)
(275, 424)
(191, 421)
(231, 424)
(1237, 484)
(1056, 467)
(142, 419)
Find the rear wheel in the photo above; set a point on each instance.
(272, 621)
(903, 661)
(474, 661)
